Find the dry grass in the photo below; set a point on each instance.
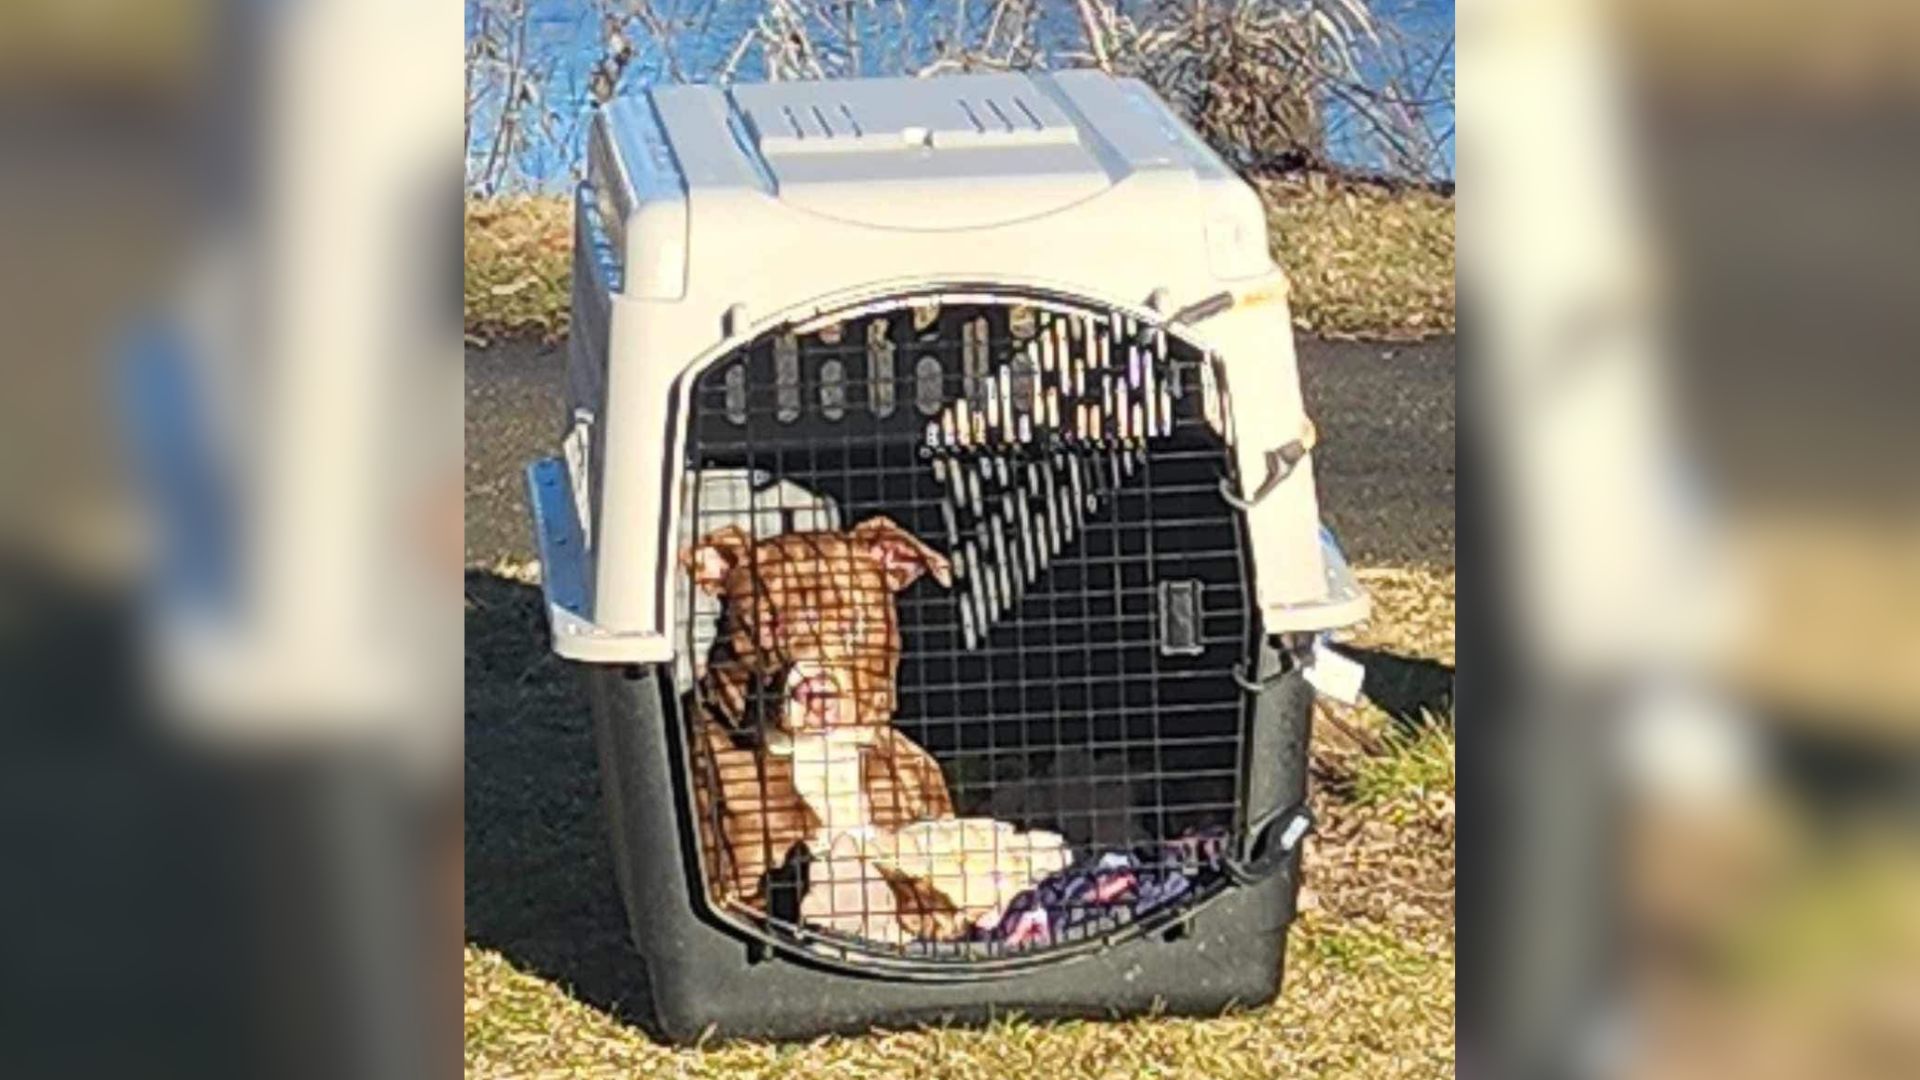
(1412, 612)
(1369, 981)
(1365, 262)
(519, 274)
(1362, 1003)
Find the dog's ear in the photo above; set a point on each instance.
(715, 555)
(901, 555)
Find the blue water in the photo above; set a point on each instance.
(564, 45)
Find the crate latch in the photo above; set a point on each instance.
(1281, 461)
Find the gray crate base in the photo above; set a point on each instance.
(707, 980)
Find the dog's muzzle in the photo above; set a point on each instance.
(815, 699)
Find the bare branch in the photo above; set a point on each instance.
(1268, 83)
(1095, 34)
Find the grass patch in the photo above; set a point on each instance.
(1364, 949)
(1412, 611)
(547, 969)
(1359, 1003)
(1365, 261)
(519, 273)
(1414, 768)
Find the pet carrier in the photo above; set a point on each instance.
(936, 529)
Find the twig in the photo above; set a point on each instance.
(663, 36)
(1096, 38)
(509, 108)
(725, 74)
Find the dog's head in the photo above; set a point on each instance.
(812, 615)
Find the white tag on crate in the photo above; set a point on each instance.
(1334, 675)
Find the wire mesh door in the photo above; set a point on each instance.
(964, 607)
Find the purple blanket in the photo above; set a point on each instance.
(1109, 890)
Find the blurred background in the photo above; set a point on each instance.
(1691, 791)
(229, 493)
(229, 536)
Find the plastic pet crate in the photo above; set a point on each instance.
(935, 528)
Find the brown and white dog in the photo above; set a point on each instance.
(809, 642)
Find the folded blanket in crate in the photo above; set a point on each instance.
(1108, 890)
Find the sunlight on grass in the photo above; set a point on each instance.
(1359, 1003)
(1364, 261)
(1368, 989)
(1412, 611)
(519, 274)
(1414, 768)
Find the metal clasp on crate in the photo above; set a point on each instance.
(1281, 461)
